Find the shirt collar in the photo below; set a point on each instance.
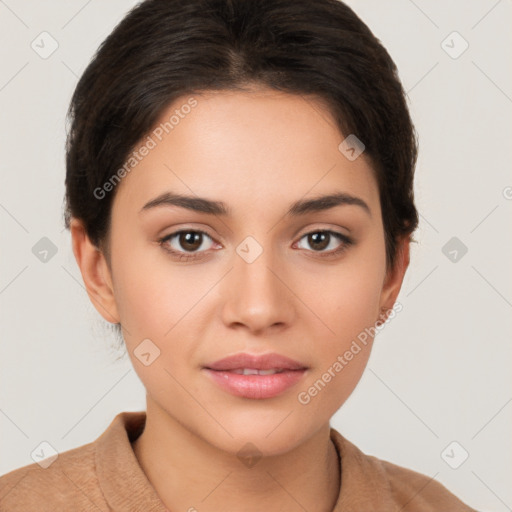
(122, 480)
(364, 485)
(126, 487)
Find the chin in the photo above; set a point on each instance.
(269, 434)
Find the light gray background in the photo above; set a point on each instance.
(440, 371)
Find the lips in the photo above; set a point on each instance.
(256, 377)
(270, 361)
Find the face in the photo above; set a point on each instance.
(259, 278)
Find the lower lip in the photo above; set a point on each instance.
(256, 387)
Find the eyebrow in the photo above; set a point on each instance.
(301, 207)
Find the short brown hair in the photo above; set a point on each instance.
(164, 49)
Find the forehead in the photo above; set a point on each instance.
(245, 146)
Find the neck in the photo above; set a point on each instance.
(191, 474)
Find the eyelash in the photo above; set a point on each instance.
(347, 242)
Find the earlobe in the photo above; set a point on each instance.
(95, 272)
(394, 278)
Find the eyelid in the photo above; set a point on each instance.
(334, 228)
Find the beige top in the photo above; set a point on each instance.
(105, 476)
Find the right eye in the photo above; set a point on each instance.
(184, 244)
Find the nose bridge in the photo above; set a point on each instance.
(253, 268)
(256, 296)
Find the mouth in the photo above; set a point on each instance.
(255, 371)
(256, 377)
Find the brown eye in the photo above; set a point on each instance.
(320, 240)
(190, 240)
(185, 241)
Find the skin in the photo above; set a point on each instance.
(257, 151)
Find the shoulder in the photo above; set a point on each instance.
(70, 479)
(397, 487)
(415, 491)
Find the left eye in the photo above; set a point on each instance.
(321, 240)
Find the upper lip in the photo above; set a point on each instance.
(257, 362)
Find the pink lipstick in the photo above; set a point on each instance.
(256, 376)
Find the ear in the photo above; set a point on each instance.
(95, 272)
(394, 278)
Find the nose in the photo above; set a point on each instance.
(255, 293)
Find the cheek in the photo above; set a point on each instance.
(350, 297)
(341, 357)
(152, 294)
(349, 301)
(356, 307)
(141, 300)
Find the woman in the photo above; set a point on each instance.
(239, 192)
